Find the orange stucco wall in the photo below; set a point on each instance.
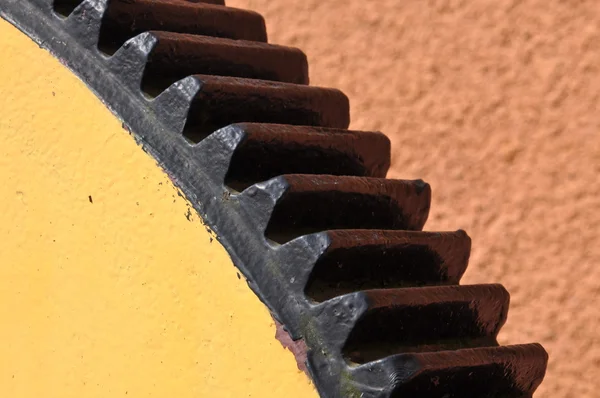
(496, 104)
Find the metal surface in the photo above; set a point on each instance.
(434, 341)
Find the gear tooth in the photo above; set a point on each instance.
(298, 257)
(226, 100)
(230, 137)
(427, 319)
(337, 317)
(372, 259)
(131, 59)
(220, 147)
(180, 55)
(173, 105)
(275, 149)
(215, 2)
(125, 19)
(380, 378)
(507, 371)
(86, 20)
(260, 200)
(321, 202)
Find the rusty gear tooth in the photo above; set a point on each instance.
(221, 145)
(226, 100)
(427, 319)
(368, 259)
(131, 59)
(173, 105)
(66, 7)
(215, 2)
(259, 200)
(127, 18)
(507, 371)
(269, 150)
(86, 21)
(177, 56)
(314, 203)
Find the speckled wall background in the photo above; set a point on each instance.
(497, 105)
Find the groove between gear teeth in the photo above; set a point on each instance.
(240, 220)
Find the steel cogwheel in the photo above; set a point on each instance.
(333, 248)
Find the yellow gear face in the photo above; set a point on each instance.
(110, 284)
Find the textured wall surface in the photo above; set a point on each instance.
(496, 104)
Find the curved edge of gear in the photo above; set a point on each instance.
(277, 274)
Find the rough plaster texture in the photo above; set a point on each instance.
(496, 104)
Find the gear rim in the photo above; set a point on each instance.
(277, 274)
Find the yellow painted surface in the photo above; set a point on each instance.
(122, 297)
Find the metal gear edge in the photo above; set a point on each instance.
(279, 274)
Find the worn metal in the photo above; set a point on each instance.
(432, 341)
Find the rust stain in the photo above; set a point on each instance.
(298, 347)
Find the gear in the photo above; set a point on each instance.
(333, 248)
